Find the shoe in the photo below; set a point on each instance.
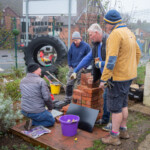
(112, 140)
(124, 134)
(108, 127)
(28, 125)
(101, 122)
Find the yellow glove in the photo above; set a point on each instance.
(73, 76)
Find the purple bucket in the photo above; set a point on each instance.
(68, 127)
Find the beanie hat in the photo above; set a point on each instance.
(76, 35)
(32, 67)
(112, 17)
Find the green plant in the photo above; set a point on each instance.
(17, 73)
(62, 72)
(4, 148)
(140, 75)
(12, 89)
(8, 116)
(98, 145)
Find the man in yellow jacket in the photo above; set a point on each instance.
(122, 58)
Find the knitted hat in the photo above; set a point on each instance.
(32, 67)
(76, 35)
(112, 17)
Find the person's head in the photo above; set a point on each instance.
(95, 33)
(34, 68)
(112, 18)
(76, 37)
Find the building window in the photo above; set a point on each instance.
(32, 23)
(49, 23)
(49, 29)
(39, 23)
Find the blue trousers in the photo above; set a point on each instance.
(106, 114)
(44, 118)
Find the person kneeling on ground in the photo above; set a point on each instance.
(35, 95)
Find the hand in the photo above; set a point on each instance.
(73, 76)
(102, 85)
(98, 64)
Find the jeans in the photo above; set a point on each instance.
(106, 114)
(44, 118)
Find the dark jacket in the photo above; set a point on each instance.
(95, 71)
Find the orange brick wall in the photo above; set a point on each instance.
(88, 94)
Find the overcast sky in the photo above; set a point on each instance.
(139, 9)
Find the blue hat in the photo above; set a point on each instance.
(112, 17)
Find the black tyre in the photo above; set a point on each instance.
(59, 51)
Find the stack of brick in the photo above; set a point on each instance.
(88, 94)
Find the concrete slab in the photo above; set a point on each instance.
(55, 140)
(140, 108)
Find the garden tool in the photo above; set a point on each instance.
(64, 86)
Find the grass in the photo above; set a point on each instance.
(137, 119)
(141, 74)
(97, 145)
(142, 137)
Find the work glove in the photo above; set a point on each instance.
(109, 84)
(97, 62)
(73, 76)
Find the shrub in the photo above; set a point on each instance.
(8, 116)
(12, 89)
(62, 72)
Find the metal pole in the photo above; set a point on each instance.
(15, 42)
(69, 23)
(86, 22)
(53, 26)
(27, 17)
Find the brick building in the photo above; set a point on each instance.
(37, 25)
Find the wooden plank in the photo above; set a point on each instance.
(56, 141)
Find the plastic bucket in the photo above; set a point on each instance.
(55, 88)
(69, 124)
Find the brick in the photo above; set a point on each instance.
(76, 101)
(91, 90)
(84, 105)
(75, 96)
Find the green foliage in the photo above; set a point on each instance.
(8, 116)
(140, 75)
(15, 32)
(98, 145)
(6, 39)
(17, 73)
(62, 72)
(12, 89)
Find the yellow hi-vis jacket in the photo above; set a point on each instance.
(122, 55)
